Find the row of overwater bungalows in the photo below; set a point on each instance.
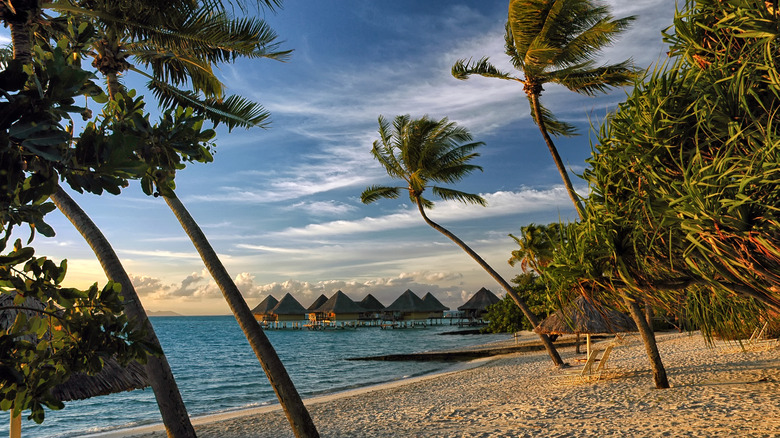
(341, 311)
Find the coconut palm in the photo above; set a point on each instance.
(423, 151)
(21, 16)
(202, 38)
(556, 41)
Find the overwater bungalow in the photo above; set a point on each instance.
(262, 311)
(408, 307)
(435, 308)
(288, 312)
(475, 308)
(372, 309)
(338, 311)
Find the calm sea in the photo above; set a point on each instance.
(217, 371)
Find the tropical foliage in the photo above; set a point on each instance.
(684, 201)
(506, 317)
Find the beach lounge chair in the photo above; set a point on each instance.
(602, 368)
(585, 372)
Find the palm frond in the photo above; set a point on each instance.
(448, 194)
(375, 192)
(589, 81)
(462, 69)
(232, 111)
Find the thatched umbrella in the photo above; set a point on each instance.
(582, 316)
(112, 378)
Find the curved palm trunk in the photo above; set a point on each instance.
(548, 345)
(174, 413)
(651, 347)
(288, 396)
(556, 157)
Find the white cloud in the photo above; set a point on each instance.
(499, 204)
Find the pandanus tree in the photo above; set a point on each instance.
(424, 151)
(556, 41)
(181, 50)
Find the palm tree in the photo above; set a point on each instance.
(422, 151)
(182, 51)
(555, 41)
(21, 16)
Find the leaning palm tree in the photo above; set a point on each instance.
(181, 50)
(556, 41)
(21, 16)
(422, 151)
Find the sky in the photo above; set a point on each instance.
(281, 206)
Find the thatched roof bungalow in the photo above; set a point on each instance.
(288, 309)
(372, 308)
(434, 306)
(317, 303)
(408, 307)
(262, 311)
(339, 307)
(477, 305)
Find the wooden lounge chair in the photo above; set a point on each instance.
(585, 372)
(602, 368)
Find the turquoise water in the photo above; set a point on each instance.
(217, 371)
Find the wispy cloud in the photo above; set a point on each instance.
(499, 204)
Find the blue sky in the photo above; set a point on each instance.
(281, 205)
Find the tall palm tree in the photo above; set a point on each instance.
(21, 16)
(422, 151)
(182, 51)
(556, 41)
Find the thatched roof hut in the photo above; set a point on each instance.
(409, 306)
(583, 316)
(371, 304)
(340, 307)
(433, 304)
(479, 302)
(317, 303)
(262, 311)
(288, 309)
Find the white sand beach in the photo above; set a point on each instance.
(717, 391)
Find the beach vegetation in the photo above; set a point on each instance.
(424, 151)
(506, 317)
(683, 206)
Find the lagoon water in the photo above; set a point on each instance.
(217, 371)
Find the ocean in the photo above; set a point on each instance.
(217, 371)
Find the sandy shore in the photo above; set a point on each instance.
(717, 391)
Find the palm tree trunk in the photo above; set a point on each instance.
(651, 347)
(548, 345)
(174, 413)
(291, 402)
(556, 157)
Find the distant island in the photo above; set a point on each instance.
(163, 313)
